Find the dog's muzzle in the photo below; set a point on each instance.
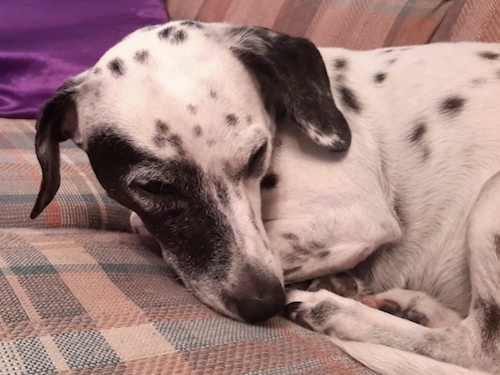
(258, 299)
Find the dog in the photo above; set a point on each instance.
(256, 159)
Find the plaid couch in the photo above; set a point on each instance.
(79, 293)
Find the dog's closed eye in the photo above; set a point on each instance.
(158, 188)
(255, 166)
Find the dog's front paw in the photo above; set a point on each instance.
(320, 311)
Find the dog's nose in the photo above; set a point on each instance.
(260, 300)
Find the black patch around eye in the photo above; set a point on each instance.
(340, 63)
(452, 105)
(417, 133)
(231, 119)
(349, 98)
(269, 181)
(141, 56)
(116, 67)
(380, 77)
(488, 55)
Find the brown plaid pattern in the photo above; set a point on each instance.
(356, 24)
(81, 301)
(80, 201)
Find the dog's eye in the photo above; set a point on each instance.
(155, 188)
(256, 162)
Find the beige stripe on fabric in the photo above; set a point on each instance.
(62, 252)
(23, 297)
(103, 301)
(141, 341)
(54, 354)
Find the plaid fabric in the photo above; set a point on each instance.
(77, 301)
(80, 202)
(356, 24)
(478, 21)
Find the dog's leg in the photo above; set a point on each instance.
(473, 343)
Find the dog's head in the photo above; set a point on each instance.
(177, 121)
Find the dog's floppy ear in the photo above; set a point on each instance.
(57, 122)
(292, 74)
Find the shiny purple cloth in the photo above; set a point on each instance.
(43, 42)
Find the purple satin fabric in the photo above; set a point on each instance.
(44, 42)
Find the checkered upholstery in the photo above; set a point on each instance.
(94, 302)
(80, 202)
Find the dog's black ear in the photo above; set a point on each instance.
(57, 122)
(293, 76)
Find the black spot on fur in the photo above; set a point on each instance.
(478, 82)
(390, 307)
(415, 316)
(192, 109)
(349, 99)
(340, 63)
(290, 237)
(197, 130)
(322, 312)
(179, 36)
(498, 73)
(249, 119)
(97, 70)
(213, 94)
(398, 210)
(269, 181)
(489, 313)
(141, 56)
(161, 127)
(417, 133)
(380, 77)
(164, 136)
(489, 55)
(497, 245)
(323, 254)
(116, 67)
(231, 119)
(222, 192)
(165, 33)
(387, 50)
(192, 24)
(452, 105)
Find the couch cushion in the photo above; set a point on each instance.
(357, 24)
(105, 302)
(80, 201)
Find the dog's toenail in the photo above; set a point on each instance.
(291, 308)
